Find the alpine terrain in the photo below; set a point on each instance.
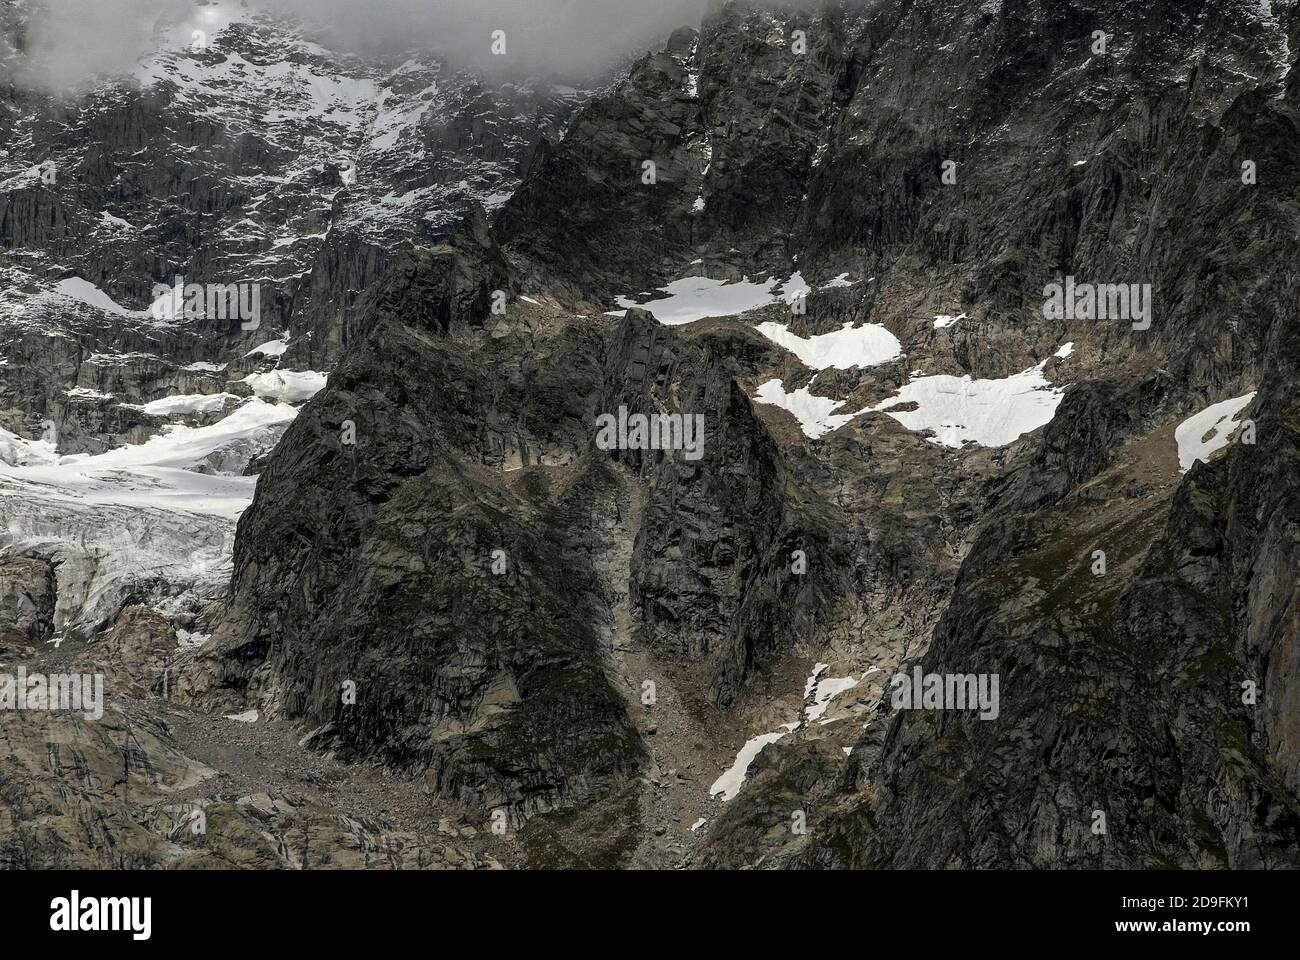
(854, 434)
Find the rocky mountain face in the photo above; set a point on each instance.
(457, 608)
(132, 432)
(258, 159)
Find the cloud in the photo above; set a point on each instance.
(69, 42)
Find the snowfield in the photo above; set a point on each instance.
(83, 291)
(733, 778)
(121, 523)
(291, 386)
(160, 473)
(961, 410)
(694, 298)
(816, 415)
(865, 346)
(1201, 435)
(183, 404)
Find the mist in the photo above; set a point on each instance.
(557, 36)
(72, 42)
(69, 43)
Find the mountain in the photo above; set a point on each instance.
(983, 311)
(261, 158)
(132, 433)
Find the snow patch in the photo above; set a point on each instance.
(864, 346)
(694, 298)
(83, 291)
(733, 778)
(291, 386)
(822, 691)
(161, 473)
(113, 223)
(991, 413)
(190, 403)
(272, 348)
(191, 641)
(87, 394)
(1203, 434)
(26, 178)
(817, 689)
(816, 415)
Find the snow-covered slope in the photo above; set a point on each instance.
(239, 150)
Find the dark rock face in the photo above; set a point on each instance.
(261, 158)
(617, 222)
(766, 108)
(1123, 695)
(710, 581)
(415, 575)
(133, 655)
(1101, 668)
(730, 119)
(27, 594)
(444, 574)
(1135, 699)
(496, 678)
(711, 577)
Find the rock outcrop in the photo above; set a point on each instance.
(27, 595)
